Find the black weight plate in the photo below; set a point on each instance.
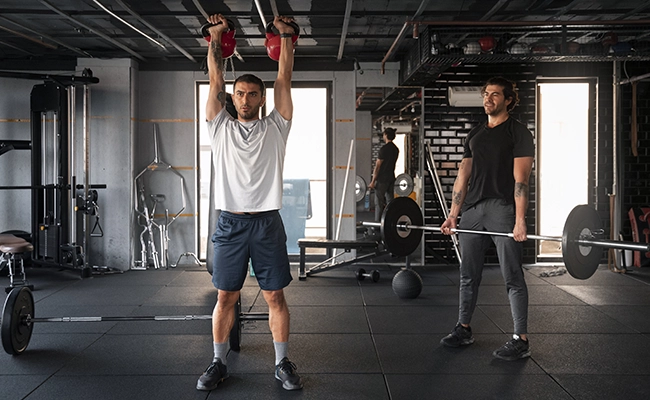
(15, 333)
(401, 210)
(404, 185)
(581, 261)
(235, 332)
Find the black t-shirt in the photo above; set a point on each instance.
(493, 151)
(388, 154)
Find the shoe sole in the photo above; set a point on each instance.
(288, 386)
(208, 388)
(518, 357)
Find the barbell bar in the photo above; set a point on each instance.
(402, 226)
(585, 241)
(18, 320)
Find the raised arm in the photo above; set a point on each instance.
(458, 195)
(217, 93)
(522, 168)
(282, 86)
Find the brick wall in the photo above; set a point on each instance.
(634, 177)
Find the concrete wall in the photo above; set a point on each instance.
(16, 164)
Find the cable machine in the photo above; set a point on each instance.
(61, 206)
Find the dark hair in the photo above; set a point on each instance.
(390, 133)
(509, 90)
(250, 78)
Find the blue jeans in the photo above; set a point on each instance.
(496, 216)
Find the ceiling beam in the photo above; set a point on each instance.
(100, 34)
(153, 28)
(344, 29)
(48, 37)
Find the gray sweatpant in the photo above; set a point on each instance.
(495, 216)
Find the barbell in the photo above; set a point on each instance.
(18, 320)
(402, 227)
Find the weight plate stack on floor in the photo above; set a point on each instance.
(15, 332)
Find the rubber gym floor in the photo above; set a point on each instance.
(590, 339)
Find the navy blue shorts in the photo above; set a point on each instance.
(258, 237)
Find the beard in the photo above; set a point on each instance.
(250, 114)
(494, 109)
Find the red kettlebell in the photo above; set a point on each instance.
(228, 42)
(487, 43)
(272, 41)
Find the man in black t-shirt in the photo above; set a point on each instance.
(383, 177)
(491, 190)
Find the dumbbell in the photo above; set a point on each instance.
(362, 274)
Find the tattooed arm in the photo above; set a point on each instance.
(523, 166)
(458, 195)
(217, 94)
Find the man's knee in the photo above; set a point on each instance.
(226, 299)
(275, 298)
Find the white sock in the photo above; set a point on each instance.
(281, 351)
(220, 352)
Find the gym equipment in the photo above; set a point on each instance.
(404, 185)
(360, 188)
(361, 274)
(437, 186)
(18, 319)
(401, 229)
(60, 207)
(273, 40)
(148, 248)
(12, 249)
(346, 245)
(405, 211)
(407, 284)
(228, 42)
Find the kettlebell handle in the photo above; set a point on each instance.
(270, 28)
(205, 28)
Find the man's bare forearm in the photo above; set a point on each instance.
(521, 200)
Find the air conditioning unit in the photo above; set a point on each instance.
(465, 96)
(400, 127)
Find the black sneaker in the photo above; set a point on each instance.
(460, 336)
(514, 349)
(285, 372)
(213, 375)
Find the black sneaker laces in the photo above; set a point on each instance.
(287, 367)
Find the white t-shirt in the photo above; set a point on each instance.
(248, 161)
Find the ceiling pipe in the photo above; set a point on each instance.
(400, 35)
(125, 22)
(101, 35)
(259, 10)
(153, 28)
(398, 39)
(42, 43)
(274, 8)
(48, 37)
(200, 8)
(344, 33)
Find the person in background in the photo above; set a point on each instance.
(491, 191)
(383, 176)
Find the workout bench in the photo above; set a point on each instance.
(12, 249)
(346, 245)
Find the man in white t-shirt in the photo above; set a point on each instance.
(248, 155)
